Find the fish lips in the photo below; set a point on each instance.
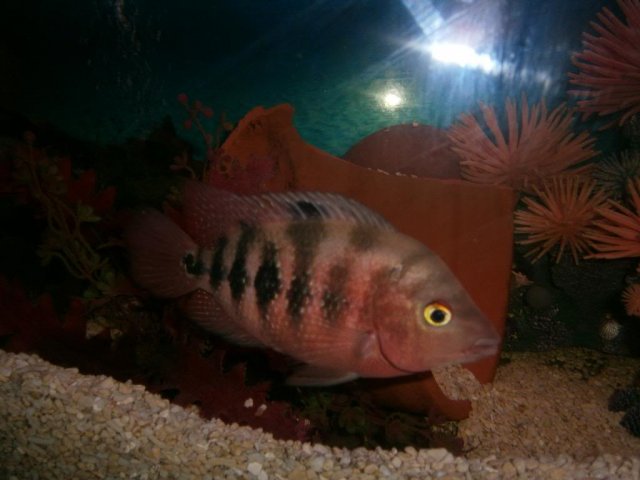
(481, 348)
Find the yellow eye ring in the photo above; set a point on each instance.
(437, 314)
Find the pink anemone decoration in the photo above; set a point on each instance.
(631, 299)
(538, 145)
(618, 229)
(560, 217)
(609, 65)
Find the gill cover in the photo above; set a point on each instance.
(425, 318)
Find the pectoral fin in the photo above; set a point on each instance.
(312, 376)
(202, 308)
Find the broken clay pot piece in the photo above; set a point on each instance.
(469, 226)
(411, 149)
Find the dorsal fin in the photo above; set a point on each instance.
(298, 206)
(209, 211)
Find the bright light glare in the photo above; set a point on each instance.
(462, 55)
(391, 99)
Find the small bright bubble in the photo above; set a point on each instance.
(391, 99)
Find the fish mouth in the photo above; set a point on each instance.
(483, 347)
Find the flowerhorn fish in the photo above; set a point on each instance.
(316, 276)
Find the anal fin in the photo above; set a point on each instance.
(312, 376)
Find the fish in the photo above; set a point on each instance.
(314, 275)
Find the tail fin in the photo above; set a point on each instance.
(157, 249)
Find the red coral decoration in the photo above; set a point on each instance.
(35, 176)
(227, 173)
(212, 141)
(203, 381)
(610, 65)
(562, 216)
(544, 145)
(220, 169)
(83, 189)
(618, 231)
(34, 326)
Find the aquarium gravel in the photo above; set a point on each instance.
(56, 423)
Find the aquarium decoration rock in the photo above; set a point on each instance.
(624, 398)
(631, 420)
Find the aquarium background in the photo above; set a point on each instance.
(106, 106)
(106, 70)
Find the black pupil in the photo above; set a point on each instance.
(438, 316)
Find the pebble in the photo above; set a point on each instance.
(316, 464)
(254, 468)
(437, 455)
(49, 414)
(508, 470)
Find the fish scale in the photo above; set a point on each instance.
(316, 276)
(278, 319)
(284, 328)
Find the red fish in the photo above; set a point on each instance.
(316, 276)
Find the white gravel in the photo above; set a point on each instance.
(56, 423)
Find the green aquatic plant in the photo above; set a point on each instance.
(71, 209)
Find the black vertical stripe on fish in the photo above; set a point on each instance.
(193, 263)
(238, 276)
(305, 237)
(308, 209)
(218, 271)
(298, 295)
(364, 237)
(267, 282)
(334, 297)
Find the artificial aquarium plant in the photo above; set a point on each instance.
(95, 319)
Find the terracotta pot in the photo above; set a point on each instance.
(412, 149)
(469, 226)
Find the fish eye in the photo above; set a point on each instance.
(437, 314)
